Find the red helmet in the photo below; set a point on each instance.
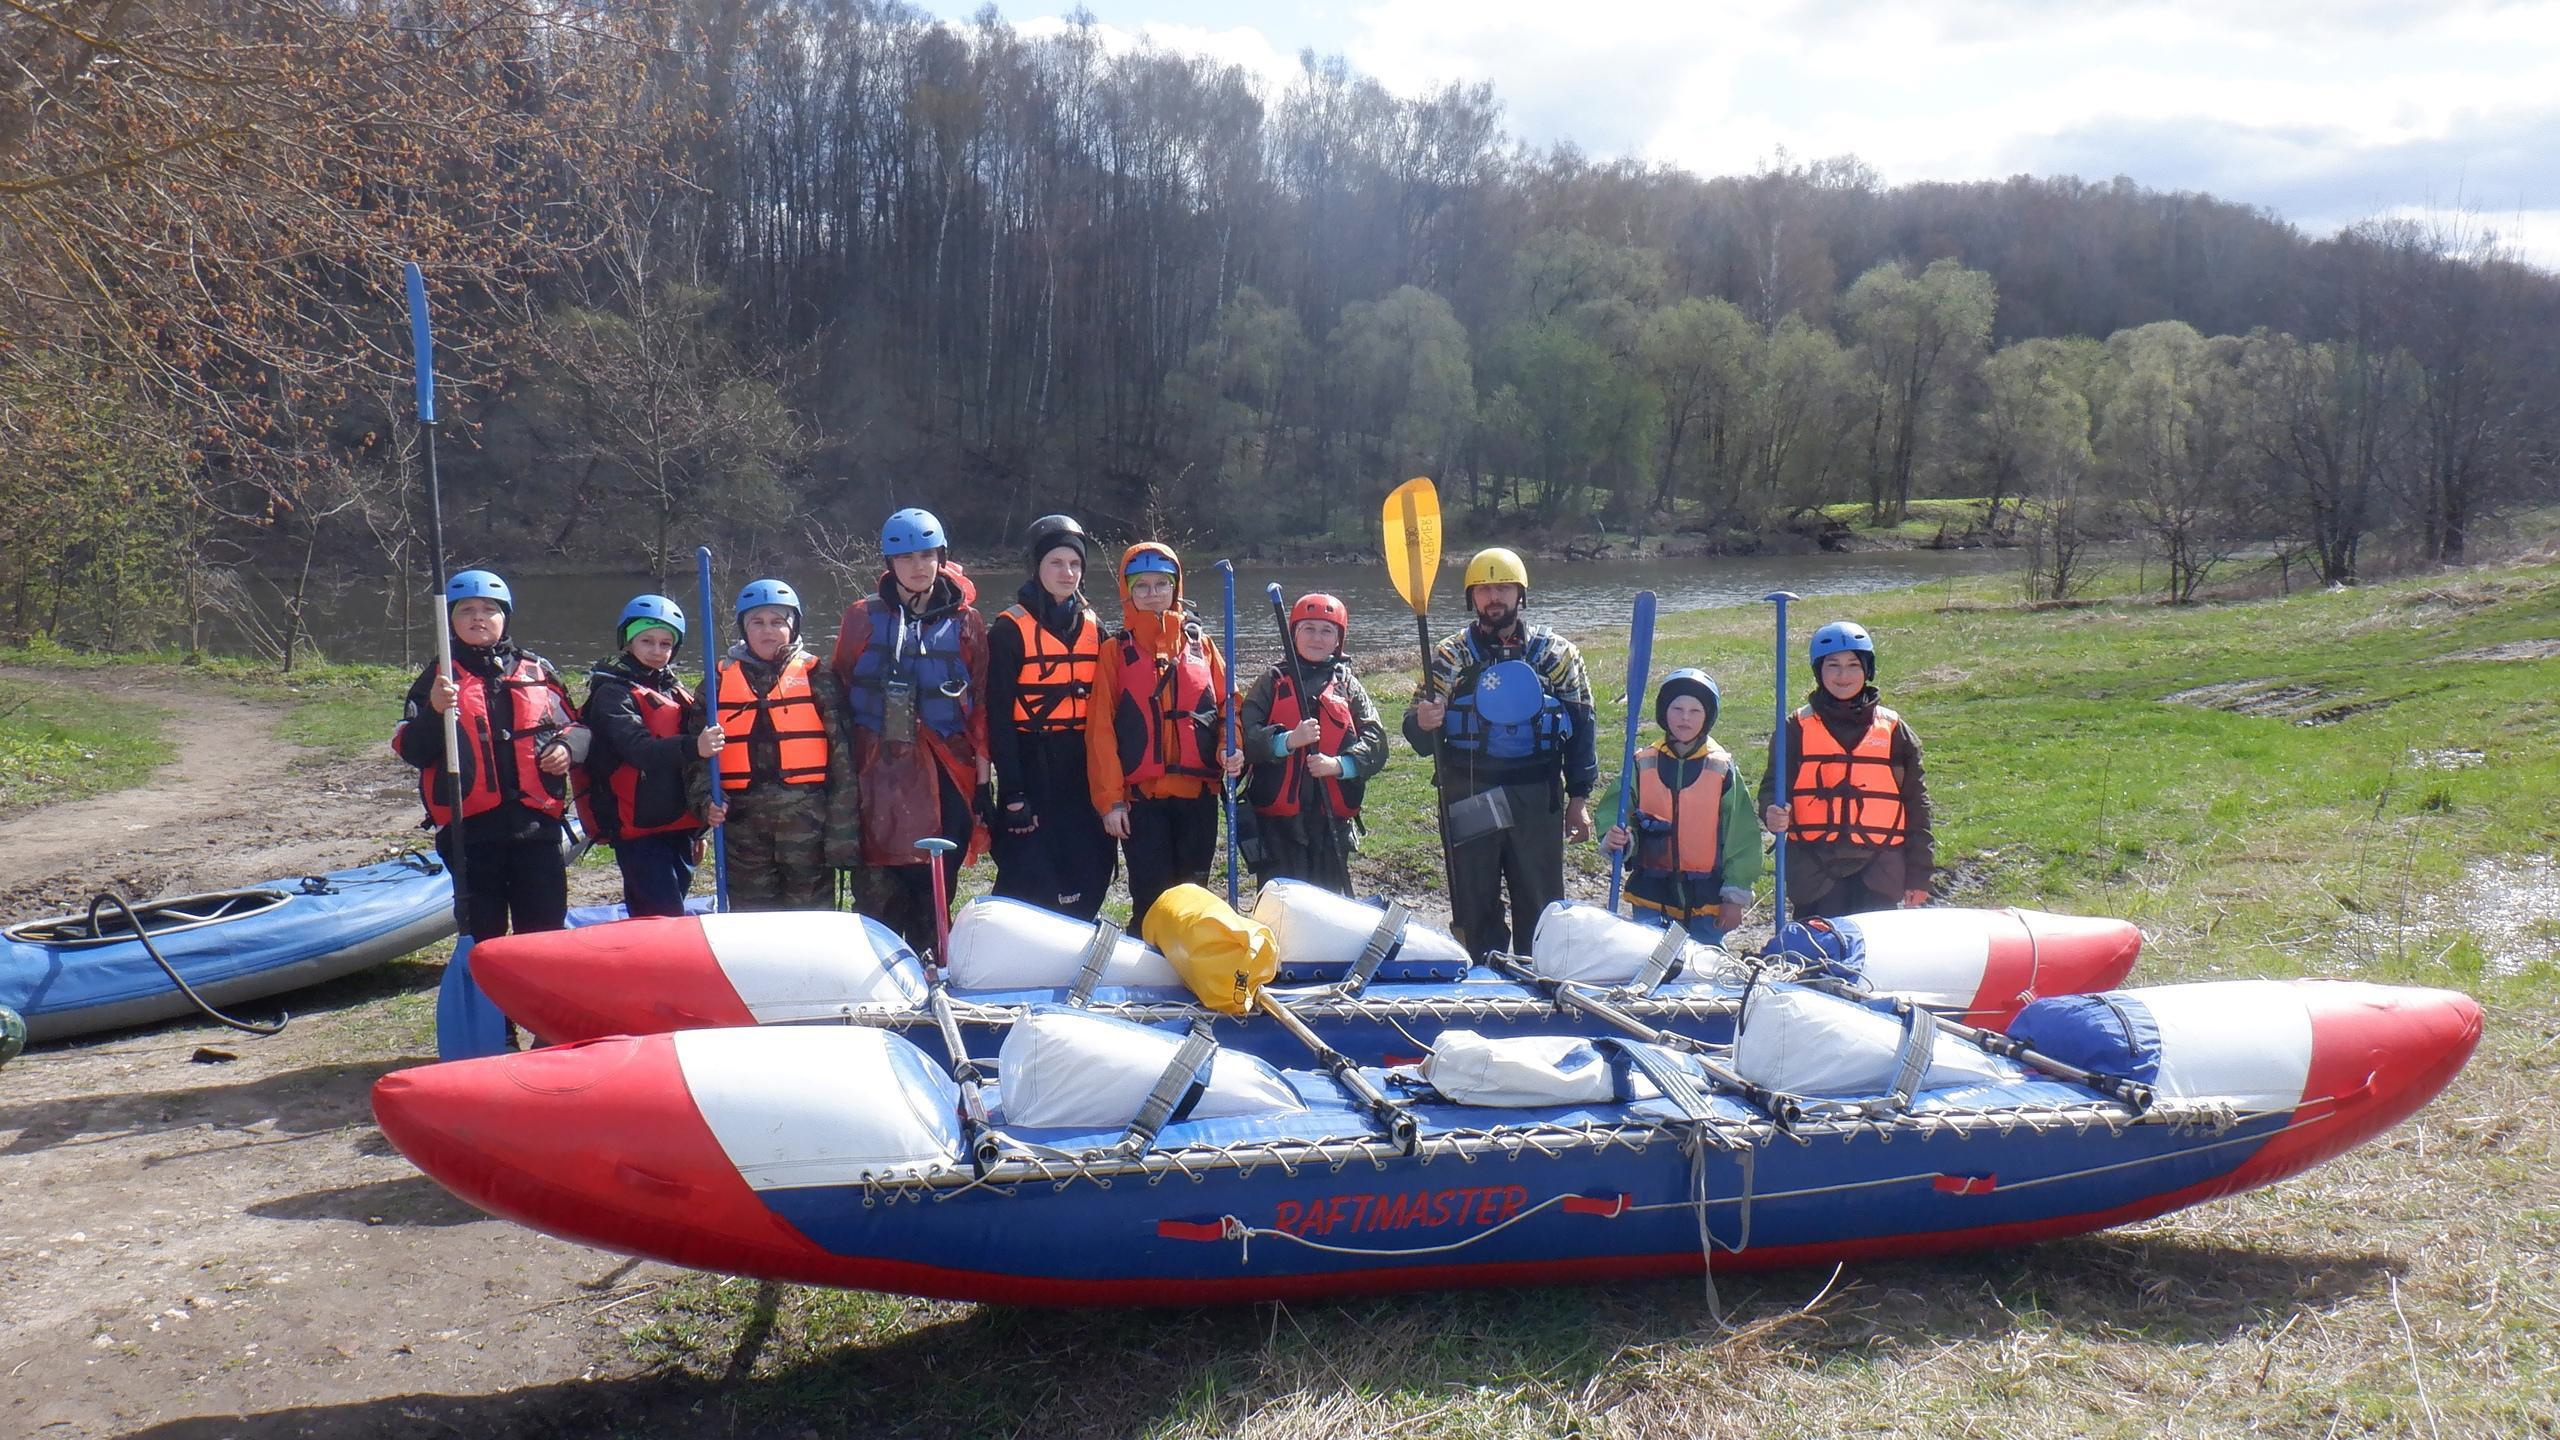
(1320, 606)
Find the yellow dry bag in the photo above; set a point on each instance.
(1223, 956)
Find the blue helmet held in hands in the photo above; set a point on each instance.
(909, 531)
(1695, 683)
(645, 611)
(1842, 635)
(478, 585)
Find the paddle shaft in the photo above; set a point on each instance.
(1227, 703)
(1398, 1121)
(1778, 769)
(939, 849)
(711, 714)
(422, 355)
(2132, 1093)
(1311, 791)
(1639, 672)
(1422, 567)
(1512, 967)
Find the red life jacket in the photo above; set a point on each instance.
(1166, 715)
(531, 706)
(1276, 788)
(1846, 795)
(610, 802)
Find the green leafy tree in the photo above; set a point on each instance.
(1805, 405)
(2036, 429)
(1699, 355)
(1230, 398)
(1916, 335)
(2335, 426)
(2171, 441)
(1398, 372)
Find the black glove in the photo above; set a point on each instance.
(1015, 813)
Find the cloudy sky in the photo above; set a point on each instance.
(2326, 111)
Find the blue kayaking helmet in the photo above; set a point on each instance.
(1152, 562)
(647, 611)
(909, 531)
(1693, 682)
(768, 592)
(478, 585)
(1842, 635)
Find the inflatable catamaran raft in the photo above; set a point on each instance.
(1371, 976)
(846, 1156)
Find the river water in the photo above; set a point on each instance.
(569, 617)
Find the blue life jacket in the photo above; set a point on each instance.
(924, 653)
(1504, 712)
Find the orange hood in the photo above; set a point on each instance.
(1155, 634)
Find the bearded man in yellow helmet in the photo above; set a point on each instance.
(1505, 715)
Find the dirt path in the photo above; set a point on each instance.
(236, 806)
(188, 1238)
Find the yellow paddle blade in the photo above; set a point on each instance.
(1413, 540)
(1223, 956)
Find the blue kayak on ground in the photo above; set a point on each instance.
(231, 945)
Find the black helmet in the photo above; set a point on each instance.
(1688, 680)
(1048, 533)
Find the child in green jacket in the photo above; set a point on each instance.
(1697, 850)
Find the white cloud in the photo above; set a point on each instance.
(1243, 46)
(2325, 110)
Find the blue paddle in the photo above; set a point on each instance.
(1639, 674)
(711, 712)
(467, 1024)
(1227, 702)
(1778, 766)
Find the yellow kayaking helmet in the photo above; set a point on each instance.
(1497, 566)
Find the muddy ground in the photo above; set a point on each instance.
(203, 1247)
(202, 1234)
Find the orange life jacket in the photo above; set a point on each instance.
(532, 706)
(1838, 795)
(784, 734)
(1166, 715)
(1684, 836)
(1276, 788)
(609, 805)
(1054, 688)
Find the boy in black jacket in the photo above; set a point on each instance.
(518, 740)
(648, 729)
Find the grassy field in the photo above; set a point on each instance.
(1922, 520)
(56, 746)
(346, 709)
(2362, 782)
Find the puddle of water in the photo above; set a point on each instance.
(2447, 759)
(2509, 907)
(2511, 650)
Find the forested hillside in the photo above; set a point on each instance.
(748, 272)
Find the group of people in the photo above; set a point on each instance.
(1065, 750)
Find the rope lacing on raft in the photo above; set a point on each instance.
(1028, 1163)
